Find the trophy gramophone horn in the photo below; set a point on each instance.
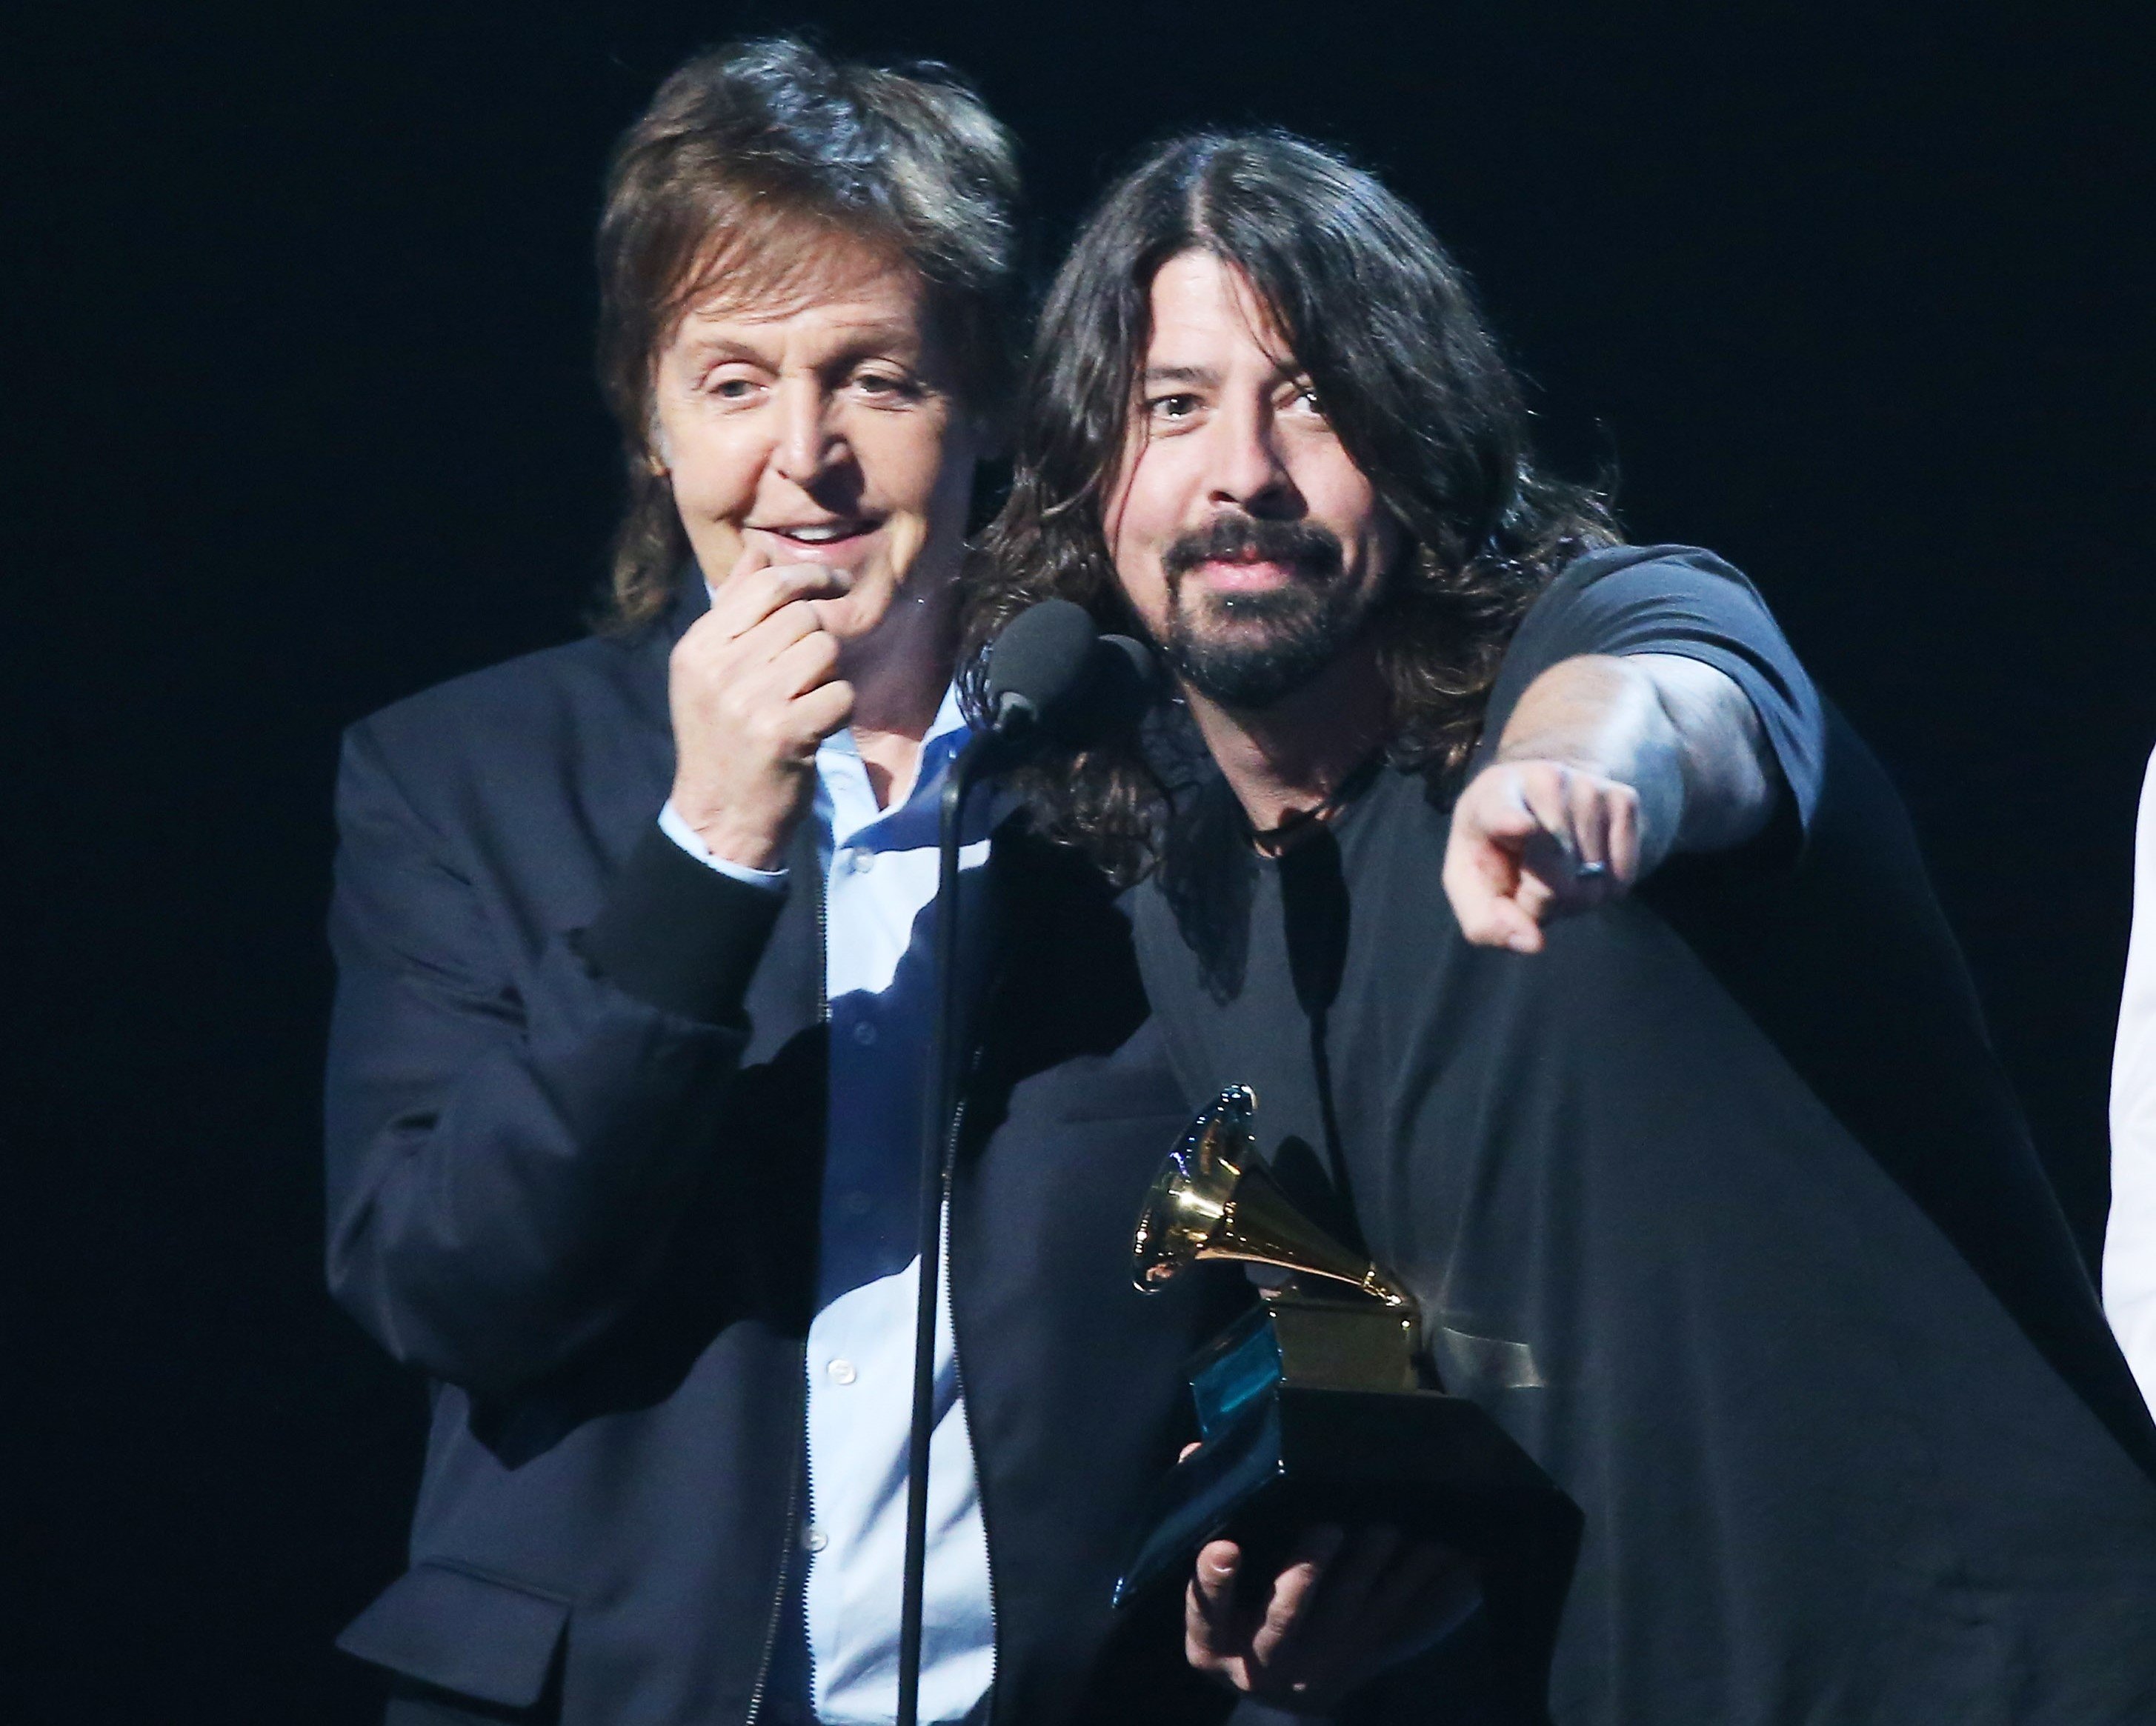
(1213, 1199)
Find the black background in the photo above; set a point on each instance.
(300, 419)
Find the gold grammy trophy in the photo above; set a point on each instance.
(1313, 1408)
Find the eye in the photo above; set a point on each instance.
(732, 385)
(1181, 405)
(879, 384)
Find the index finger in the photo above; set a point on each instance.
(1212, 1596)
(1482, 879)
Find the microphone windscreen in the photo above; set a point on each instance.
(1042, 657)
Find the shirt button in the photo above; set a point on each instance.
(864, 1033)
(815, 1539)
(864, 861)
(842, 1372)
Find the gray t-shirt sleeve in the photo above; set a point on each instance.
(1682, 600)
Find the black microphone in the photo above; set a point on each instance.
(1053, 677)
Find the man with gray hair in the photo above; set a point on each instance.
(623, 1091)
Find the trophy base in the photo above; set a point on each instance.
(1435, 1467)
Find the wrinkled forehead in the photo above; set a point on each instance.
(755, 271)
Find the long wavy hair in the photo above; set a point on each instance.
(1382, 322)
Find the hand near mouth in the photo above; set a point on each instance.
(753, 686)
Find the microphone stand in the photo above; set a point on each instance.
(939, 1147)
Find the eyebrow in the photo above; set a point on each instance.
(879, 334)
(713, 347)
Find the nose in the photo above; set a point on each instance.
(1247, 470)
(808, 444)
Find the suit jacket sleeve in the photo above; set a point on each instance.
(509, 1143)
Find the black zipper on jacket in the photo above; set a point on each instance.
(785, 1561)
(822, 952)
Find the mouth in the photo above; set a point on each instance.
(1244, 574)
(817, 542)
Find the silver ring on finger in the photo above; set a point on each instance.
(1588, 869)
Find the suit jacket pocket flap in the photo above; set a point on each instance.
(479, 1635)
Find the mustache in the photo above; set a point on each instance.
(1233, 537)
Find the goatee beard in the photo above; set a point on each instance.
(1302, 626)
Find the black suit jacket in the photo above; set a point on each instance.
(574, 1128)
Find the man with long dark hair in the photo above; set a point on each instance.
(1585, 968)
